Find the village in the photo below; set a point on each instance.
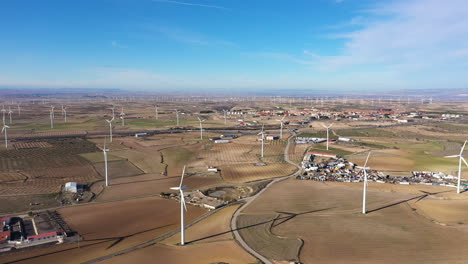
(330, 167)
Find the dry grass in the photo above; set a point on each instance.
(327, 218)
(255, 230)
(249, 172)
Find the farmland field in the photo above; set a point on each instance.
(105, 230)
(326, 217)
(249, 172)
(209, 241)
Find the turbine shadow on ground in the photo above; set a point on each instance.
(100, 241)
(124, 183)
(417, 198)
(287, 218)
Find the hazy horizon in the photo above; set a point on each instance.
(247, 46)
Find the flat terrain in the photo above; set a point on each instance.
(209, 241)
(326, 217)
(105, 230)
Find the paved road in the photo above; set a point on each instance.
(249, 200)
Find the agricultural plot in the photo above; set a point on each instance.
(9, 177)
(326, 217)
(256, 231)
(41, 170)
(231, 153)
(118, 169)
(209, 241)
(149, 163)
(249, 172)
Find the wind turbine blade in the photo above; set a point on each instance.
(463, 148)
(453, 156)
(365, 164)
(182, 178)
(464, 161)
(330, 126)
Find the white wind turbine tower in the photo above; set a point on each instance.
(4, 130)
(19, 110)
(460, 156)
(282, 125)
(105, 150)
(113, 112)
(328, 128)
(364, 195)
(122, 116)
(3, 112)
(52, 116)
(225, 112)
(10, 113)
(64, 113)
(201, 127)
(181, 189)
(177, 117)
(156, 112)
(262, 133)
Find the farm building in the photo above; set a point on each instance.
(346, 139)
(73, 187)
(272, 137)
(137, 135)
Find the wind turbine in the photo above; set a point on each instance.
(364, 195)
(177, 117)
(328, 128)
(263, 139)
(64, 113)
(156, 112)
(225, 112)
(110, 124)
(9, 113)
(281, 129)
(181, 189)
(105, 150)
(3, 112)
(122, 116)
(113, 112)
(19, 110)
(52, 116)
(201, 127)
(460, 156)
(4, 129)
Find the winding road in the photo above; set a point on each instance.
(249, 200)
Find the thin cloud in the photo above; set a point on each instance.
(190, 4)
(118, 45)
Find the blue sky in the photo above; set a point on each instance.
(170, 45)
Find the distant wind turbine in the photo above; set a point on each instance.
(181, 189)
(156, 112)
(52, 116)
(364, 195)
(4, 130)
(262, 133)
(282, 125)
(110, 126)
(64, 113)
(122, 116)
(177, 117)
(105, 150)
(460, 156)
(328, 128)
(10, 114)
(225, 112)
(201, 127)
